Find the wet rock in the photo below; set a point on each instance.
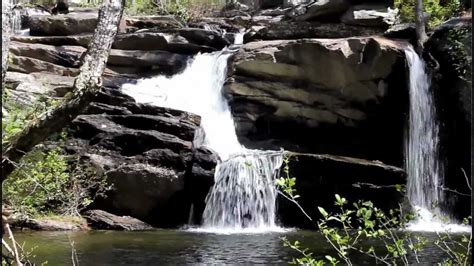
(201, 179)
(339, 96)
(98, 219)
(450, 45)
(319, 177)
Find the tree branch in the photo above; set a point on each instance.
(86, 86)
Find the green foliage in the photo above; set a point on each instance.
(46, 182)
(460, 56)
(20, 115)
(438, 12)
(347, 230)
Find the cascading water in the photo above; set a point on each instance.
(425, 171)
(244, 194)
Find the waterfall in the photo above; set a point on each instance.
(244, 194)
(424, 169)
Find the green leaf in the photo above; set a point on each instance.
(323, 212)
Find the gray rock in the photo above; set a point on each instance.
(287, 30)
(30, 65)
(146, 153)
(98, 219)
(370, 15)
(70, 24)
(318, 9)
(326, 90)
(67, 56)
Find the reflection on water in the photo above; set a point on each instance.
(165, 247)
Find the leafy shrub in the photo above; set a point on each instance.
(438, 12)
(46, 182)
(348, 229)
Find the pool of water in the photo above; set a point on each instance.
(170, 247)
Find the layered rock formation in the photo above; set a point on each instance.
(337, 96)
(314, 77)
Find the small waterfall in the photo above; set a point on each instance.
(424, 169)
(244, 194)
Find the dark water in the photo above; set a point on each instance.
(171, 247)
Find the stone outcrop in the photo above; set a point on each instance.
(318, 9)
(290, 30)
(145, 152)
(319, 177)
(98, 219)
(450, 45)
(338, 96)
(200, 180)
(370, 15)
(69, 24)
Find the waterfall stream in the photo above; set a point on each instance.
(244, 194)
(424, 168)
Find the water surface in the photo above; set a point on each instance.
(171, 247)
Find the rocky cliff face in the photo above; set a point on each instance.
(314, 77)
(336, 96)
(450, 45)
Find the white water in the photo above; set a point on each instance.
(243, 197)
(424, 169)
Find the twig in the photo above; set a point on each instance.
(15, 250)
(467, 179)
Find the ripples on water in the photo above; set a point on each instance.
(171, 247)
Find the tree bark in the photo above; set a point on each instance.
(6, 32)
(86, 85)
(420, 26)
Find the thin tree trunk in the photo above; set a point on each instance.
(420, 26)
(6, 32)
(86, 86)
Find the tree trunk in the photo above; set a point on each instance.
(86, 85)
(420, 26)
(6, 32)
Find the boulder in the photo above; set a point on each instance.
(405, 31)
(196, 40)
(67, 56)
(200, 180)
(155, 22)
(60, 25)
(145, 152)
(161, 61)
(370, 15)
(162, 41)
(450, 45)
(318, 9)
(30, 65)
(53, 223)
(338, 96)
(98, 219)
(320, 176)
(287, 30)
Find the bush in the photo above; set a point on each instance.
(48, 182)
(438, 12)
